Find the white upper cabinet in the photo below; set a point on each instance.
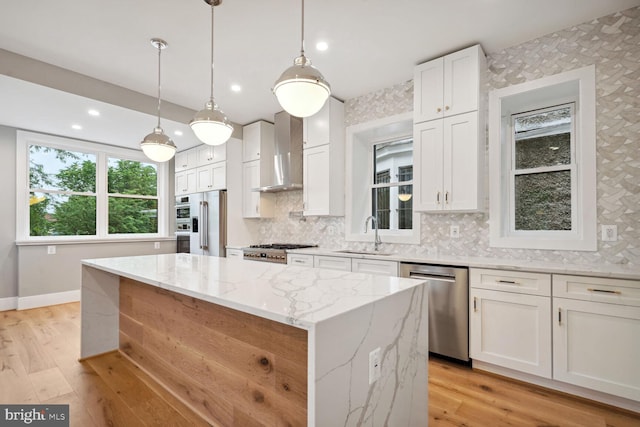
(448, 85)
(254, 203)
(185, 182)
(326, 126)
(257, 141)
(209, 154)
(448, 164)
(187, 159)
(323, 161)
(212, 177)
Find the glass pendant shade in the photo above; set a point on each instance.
(404, 197)
(211, 126)
(301, 89)
(157, 146)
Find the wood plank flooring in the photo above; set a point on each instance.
(39, 351)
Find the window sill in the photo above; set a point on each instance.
(72, 241)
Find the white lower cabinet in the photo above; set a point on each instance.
(300, 259)
(332, 262)
(234, 253)
(374, 266)
(511, 330)
(596, 334)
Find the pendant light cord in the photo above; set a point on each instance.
(159, 98)
(212, 8)
(302, 32)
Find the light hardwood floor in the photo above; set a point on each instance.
(39, 364)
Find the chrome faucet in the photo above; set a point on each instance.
(374, 224)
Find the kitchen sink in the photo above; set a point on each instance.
(363, 252)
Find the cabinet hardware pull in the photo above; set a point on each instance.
(438, 197)
(446, 108)
(559, 316)
(510, 282)
(605, 291)
(446, 197)
(475, 303)
(439, 110)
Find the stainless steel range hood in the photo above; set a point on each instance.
(287, 157)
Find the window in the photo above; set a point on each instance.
(382, 186)
(542, 153)
(80, 190)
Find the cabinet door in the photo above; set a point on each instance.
(208, 154)
(428, 169)
(234, 253)
(332, 262)
(186, 160)
(597, 345)
(316, 191)
(185, 182)
(461, 81)
(428, 91)
(461, 162)
(374, 266)
(211, 177)
(300, 260)
(253, 136)
(250, 180)
(316, 129)
(511, 330)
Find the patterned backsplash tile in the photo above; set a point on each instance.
(612, 43)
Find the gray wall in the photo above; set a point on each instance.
(612, 44)
(39, 273)
(8, 250)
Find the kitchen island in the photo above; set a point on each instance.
(251, 343)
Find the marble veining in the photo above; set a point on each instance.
(295, 295)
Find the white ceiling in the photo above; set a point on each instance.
(373, 44)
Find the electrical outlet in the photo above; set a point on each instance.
(51, 250)
(454, 231)
(156, 245)
(374, 366)
(609, 233)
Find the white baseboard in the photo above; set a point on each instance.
(9, 303)
(44, 300)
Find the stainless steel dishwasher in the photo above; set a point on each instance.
(448, 307)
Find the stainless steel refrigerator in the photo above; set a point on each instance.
(208, 223)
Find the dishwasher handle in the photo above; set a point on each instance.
(435, 277)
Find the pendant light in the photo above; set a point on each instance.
(301, 90)
(210, 125)
(157, 146)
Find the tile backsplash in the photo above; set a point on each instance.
(612, 43)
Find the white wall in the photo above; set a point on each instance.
(8, 250)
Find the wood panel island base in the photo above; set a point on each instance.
(246, 343)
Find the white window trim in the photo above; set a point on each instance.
(573, 86)
(358, 178)
(102, 151)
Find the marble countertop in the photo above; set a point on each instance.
(299, 296)
(600, 270)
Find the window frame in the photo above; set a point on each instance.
(577, 86)
(360, 141)
(102, 152)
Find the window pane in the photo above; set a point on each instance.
(543, 201)
(61, 215)
(405, 207)
(127, 216)
(53, 169)
(543, 139)
(390, 155)
(382, 210)
(130, 177)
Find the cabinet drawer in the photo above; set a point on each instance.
(234, 253)
(598, 289)
(374, 266)
(511, 281)
(299, 259)
(332, 263)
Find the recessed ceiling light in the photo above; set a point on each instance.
(236, 87)
(322, 46)
(93, 112)
(178, 133)
(76, 127)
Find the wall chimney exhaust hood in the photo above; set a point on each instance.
(287, 157)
